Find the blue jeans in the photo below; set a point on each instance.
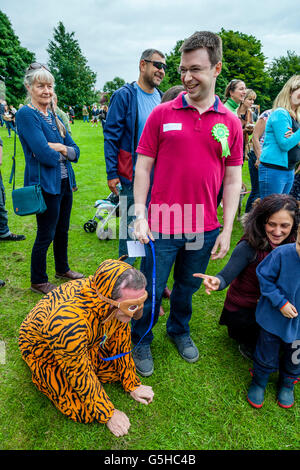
(10, 126)
(274, 181)
(125, 220)
(187, 262)
(253, 171)
(4, 230)
(52, 226)
(85, 119)
(267, 356)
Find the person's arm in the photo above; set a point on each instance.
(1, 151)
(242, 255)
(113, 131)
(29, 128)
(258, 131)
(281, 125)
(141, 187)
(232, 184)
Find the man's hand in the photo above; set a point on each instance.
(142, 231)
(112, 184)
(118, 424)
(222, 244)
(289, 311)
(210, 282)
(143, 394)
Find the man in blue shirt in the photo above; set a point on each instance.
(128, 111)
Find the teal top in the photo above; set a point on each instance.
(231, 105)
(276, 146)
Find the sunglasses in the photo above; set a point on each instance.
(37, 65)
(158, 65)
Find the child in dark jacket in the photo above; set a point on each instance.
(277, 314)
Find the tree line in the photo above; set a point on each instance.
(75, 81)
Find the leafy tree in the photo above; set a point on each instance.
(74, 80)
(281, 69)
(113, 85)
(14, 59)
(243, 58)
(172, 77)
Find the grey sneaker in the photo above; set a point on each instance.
(186, 348)
(143, 360)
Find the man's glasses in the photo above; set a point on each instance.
(37, 65)
(193, 70)
(158, 65)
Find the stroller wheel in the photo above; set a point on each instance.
(90, 226)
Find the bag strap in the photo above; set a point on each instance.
(12, 177)
(13, 170)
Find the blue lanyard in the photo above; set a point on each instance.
(152, 312)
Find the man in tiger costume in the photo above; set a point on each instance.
(67, 336)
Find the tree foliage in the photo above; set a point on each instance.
(74, 80)
(113, 85)
(14, 59)
(281, 69)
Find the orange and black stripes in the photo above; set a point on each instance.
(62, 339)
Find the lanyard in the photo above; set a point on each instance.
(152, 312)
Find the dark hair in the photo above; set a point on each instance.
(148, 53)
(172, 93)
(129, 279)
(231, 87)
(262, 210)
(205, 40)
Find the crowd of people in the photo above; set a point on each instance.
(172, 157)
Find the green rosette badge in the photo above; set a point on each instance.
(220, 132)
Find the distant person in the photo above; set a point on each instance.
(85, 114)
(9, 120)
(254, 156)
(280, 153)
(234, 94)
(71, 114)
(245, 115)
(128, 111)
(48, 150)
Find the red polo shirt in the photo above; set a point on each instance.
(189, 167)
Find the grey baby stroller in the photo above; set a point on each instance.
(106, 209)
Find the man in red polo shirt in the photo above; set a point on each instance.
(195, 143)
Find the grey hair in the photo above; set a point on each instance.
(44, 76)
(129, 279)
(148, 53)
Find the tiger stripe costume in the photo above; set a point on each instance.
(63, 337)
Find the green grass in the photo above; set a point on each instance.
(196, 406)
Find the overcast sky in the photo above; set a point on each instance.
(113, 33)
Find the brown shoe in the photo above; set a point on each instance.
(166, 293)
(43, 288)
(70, 275)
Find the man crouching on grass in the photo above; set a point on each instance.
(78, 337)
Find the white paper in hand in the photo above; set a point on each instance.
(135, 249)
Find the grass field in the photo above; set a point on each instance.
(196, 406)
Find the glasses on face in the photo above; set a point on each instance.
(37, 65)
(158, 65)
(193, 70)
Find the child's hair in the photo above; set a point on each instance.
(262, 210)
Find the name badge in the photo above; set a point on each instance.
(172, 126)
